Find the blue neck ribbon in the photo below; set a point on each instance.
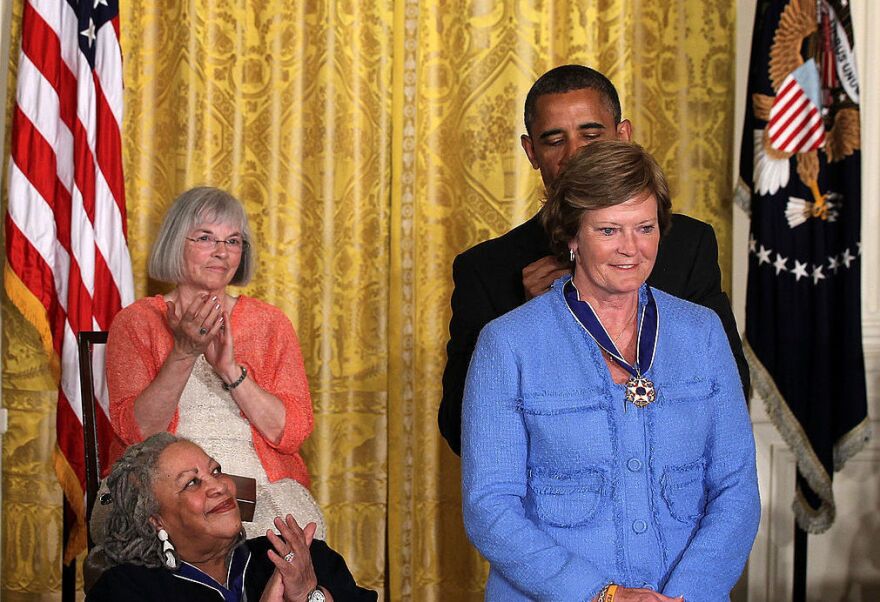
(647, 337)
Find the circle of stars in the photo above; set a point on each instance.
(800, 269)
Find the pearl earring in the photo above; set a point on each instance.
(571, 255)
(167, 549)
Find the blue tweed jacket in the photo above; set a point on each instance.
(565, 489)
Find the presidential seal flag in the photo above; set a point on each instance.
(67, 262)
(800, 179)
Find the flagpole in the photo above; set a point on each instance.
(68, 571)
(799, 585)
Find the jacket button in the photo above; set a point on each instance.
(640, 526)
(634, 464)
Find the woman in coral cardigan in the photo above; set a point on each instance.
(224, 371)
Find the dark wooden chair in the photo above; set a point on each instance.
(85, 341)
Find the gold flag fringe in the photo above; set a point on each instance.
(34, 312)
(811, 469)
(73, 492)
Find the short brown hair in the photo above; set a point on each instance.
(202, 204)
(602, 174)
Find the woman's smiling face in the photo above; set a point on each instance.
(197, 505)
(615, 248)
(208, 267)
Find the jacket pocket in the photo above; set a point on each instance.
(556, 425)
(694, 391)
(567, 499)
(684, 491)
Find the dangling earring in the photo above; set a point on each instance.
(571, 255)
(167, 549)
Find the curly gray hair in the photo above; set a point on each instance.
(130, 538)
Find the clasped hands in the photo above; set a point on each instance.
(628, 594)
(294, 576)
(203, 328)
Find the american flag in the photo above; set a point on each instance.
(67, 262)
(795, 121)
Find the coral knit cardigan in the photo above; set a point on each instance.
(265, 343)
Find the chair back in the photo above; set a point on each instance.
(85, 341)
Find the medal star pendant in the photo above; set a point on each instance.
(640, 391)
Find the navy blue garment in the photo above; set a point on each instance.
(234, 575)
(134, 583)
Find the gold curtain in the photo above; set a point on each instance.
(370, 142)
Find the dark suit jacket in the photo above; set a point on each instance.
(488, 283)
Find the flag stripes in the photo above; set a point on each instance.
(68, 267)
(795, 124)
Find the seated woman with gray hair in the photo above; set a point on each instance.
(173, 533)
(224, 371)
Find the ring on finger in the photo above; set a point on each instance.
(203, 331)
(289, 557)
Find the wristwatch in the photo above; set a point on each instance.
(316, 596)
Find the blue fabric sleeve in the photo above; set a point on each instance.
(494, 482)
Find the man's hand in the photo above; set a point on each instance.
(539, 275)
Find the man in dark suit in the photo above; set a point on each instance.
(567, 108)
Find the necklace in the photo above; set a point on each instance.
(616, 338)
(640, 390)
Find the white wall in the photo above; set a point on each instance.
(843, 563)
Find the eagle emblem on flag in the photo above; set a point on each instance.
(815, 108)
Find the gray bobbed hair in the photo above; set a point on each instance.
(200, 205)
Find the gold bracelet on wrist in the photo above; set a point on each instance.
(610, 593)
(606, 594)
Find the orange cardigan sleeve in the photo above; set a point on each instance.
(269, 348)
(137, 345)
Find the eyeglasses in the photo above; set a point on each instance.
(209, 243)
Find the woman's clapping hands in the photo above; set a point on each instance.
(294, 577)
(196, 325)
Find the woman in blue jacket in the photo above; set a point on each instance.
(607, 449)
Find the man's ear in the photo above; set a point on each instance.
(625, 130)
(526, 142)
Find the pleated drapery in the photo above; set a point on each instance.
(370, 142)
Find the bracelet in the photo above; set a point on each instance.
(240, 380)
(606, 594)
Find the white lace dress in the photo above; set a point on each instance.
(210, 417)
